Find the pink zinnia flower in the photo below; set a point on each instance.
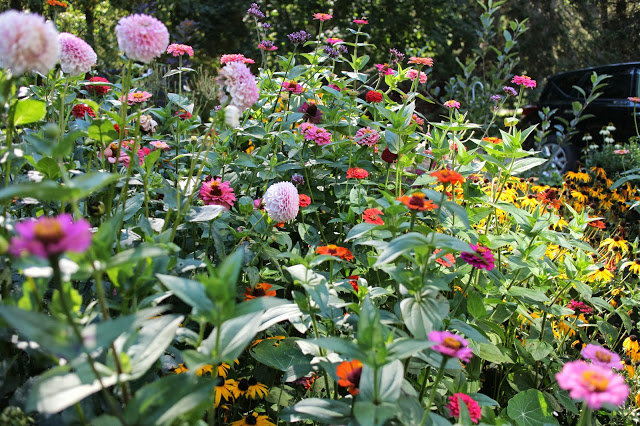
(452, 104)
(367, 136)
(421, 61)
(239, 84)
(142, 37)
(51, 236)
(136, 97)
(293, 87)
(281, 201)
(334, 40)
(319, 135)
(413, 74)
(334, 87)
(621, 151)
(451, 345)
(360, 21)
(236, 57)
(384, 69)
(98, 89)
(472, 406)
(180, 49)
(267, 45)
(524, 80)
(218, 193)
(597, 386)
(76, 56)
(160, 145)
(322, 17)
(601, 356)
(27, 43)
(579, 307)
(481, 258)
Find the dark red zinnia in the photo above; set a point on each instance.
(374, 96)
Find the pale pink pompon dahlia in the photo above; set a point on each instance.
(239, 84)
(51, 236)
(76, 56)
(27, 43)
(281, 201)
(142, 37)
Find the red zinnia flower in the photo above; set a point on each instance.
(389, 156)
(373, 216)
(98, 89)
(447, 260)
(349, 373)
(417, 201)
(472, 406)
(79, 110)
(334, 250)
(357, 173)
(448, 176)
(353, 280)
(305, 200)
(374, 96)
(184, 114)
(260, 290)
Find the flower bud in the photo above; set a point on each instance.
(232, 116)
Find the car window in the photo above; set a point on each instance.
(619, 84)
(562, 86)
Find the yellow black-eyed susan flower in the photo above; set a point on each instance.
(632, 348)
(253, 419)
(601, 275)
(599, 172)
(223, 369)
(180, 369)
(251, 388)
(634, 266)
(578, 177)
(629, 367)
(615, 242)
(224, 390)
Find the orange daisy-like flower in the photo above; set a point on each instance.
(334, 250)
(349, 373)
(597, 224)
(417, 201)
(56, 3)
(448, 176)
(421, 61)
(493, 140)
(447, 260)
(260, 290)
(304, 200)
(357, 173)
(373, 216)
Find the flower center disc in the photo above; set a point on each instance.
(48, 231)
(595, 381)
(452, 343)
(603, 357)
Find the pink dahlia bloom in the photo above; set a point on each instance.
(367, 136)
(451, 345)
(236, 57)
(218, 193)
(281, 201)
(142, 37)
(481, 259)
(51, 236)
(76, 56)
(180, 49)
(596, 385)
(239, 84)
(27, 43)
(472, 406)
(601, 356)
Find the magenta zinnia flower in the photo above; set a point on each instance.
(452, 104)
(281, 201)
(76, 56)
(451, 345)
(27, 42)
(472, 406)
(142, 37)
(596, 385)
(322, 17)
(239, 84)
(601, 356)
(218, 193)
(481, 259)
(367, 136)
(51, 236)
(180, 49)
(319, 135)
(524, 80)
(293, 87)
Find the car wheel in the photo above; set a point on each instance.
(560, 159)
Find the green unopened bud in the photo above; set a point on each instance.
(245, 205)
(51, 131)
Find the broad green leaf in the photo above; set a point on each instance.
(318, 410)
(189, 291)
(234, 336)
(29, 111)
(282, 355)
(422, 317)
(529, 408)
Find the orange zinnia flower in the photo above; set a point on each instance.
(421, 61)
(260, 290)
(493, 140)
(448, 176)
(349, 373)
(417, 201)
(56, 3)
(373, 216)
(334, 250)
(304, 200)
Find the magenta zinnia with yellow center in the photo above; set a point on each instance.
(218, 193)
(51, 236)
(597, 386)
(451, 345)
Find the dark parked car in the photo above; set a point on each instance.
(613, 106)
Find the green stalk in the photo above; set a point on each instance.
(434, 390)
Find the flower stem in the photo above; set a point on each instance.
(434, 390)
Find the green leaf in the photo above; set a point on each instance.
(475, 305)
(368, 413)
(102, 130)
(189, 291)
(468, 330)
(235, 335)
(282, 355)
(29, 111)
(318, 410)
(49, 167)
(529, 408)
(422, 317)
(359, 230)
(490, 352)
(204, 213)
